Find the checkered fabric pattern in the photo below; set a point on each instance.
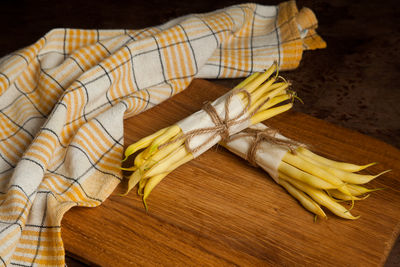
(64, 98)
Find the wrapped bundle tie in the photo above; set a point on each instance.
(259, 136)
(313, 180)
(257, 98)
(221, 126)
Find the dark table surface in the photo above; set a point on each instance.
(353, 82)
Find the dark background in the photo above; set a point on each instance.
(354, 82)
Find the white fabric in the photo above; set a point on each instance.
(201, 119)
(268, 156)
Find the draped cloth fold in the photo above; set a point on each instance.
(63, 101)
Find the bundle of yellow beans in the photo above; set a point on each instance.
(257, 98)
(311, 179)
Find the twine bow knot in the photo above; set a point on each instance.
(221, 125)
(266, 135)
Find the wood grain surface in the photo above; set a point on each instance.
(218, 210)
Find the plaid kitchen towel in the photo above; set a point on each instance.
(63, 100)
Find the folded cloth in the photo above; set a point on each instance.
(64, 98)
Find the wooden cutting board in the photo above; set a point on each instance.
(218, 210)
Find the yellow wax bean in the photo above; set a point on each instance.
(142, 143)
(133, 180)
(306, 166)
(141, 186)
(336, 164)
(150, 184)
(339, 195)
(345, 176)
(134, 168)
(270, 95)
(163, 165)
(266, 114)
(170, 133)
(256, 93)
(275, 101)
(359, 178)
(250, 87)
(304, 200)
(321, 198)
(183, 160)
(158, 155)
(243, 85)
(277, 85)
(139, 160)
(357, 190)
(165, 151)
(262, 89)
(305, 177)
(247, 80)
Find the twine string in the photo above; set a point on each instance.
(260, 136)
(221, 125)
